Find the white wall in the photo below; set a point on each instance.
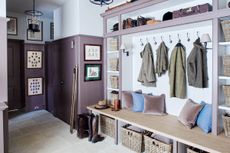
(174, 105)
(79, 17)
(2, 8)
(22, 28)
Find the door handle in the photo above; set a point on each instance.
(61, 83)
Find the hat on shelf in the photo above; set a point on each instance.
(102, 105)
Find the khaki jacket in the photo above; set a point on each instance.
(162, 59)
(147, 74)
(177, 72)
(197, 66)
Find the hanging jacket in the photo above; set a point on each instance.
(162, 59)
(177, 72)
(147, 74)
(197, 66)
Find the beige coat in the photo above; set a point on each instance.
(162, 59)
(147, 74)
(177, 72)
(197, 66)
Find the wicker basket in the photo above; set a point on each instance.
(226, 122)
(114, 64)
(226, 29)
(114, 81)
(226, 89)
(113, 44)
(155, 146)
(107, 126)
(132, 139)
(226, 63)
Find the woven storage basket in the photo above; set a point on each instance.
(132, 139)
(226, 122)
(114, 64)
(155, 146)
(226, 29)
(226, 89)
(226, 63)
(114, 81)
(113, 44)
(107, 126)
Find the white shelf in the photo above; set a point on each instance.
(224, 77)
(224, 107)
(111, 89)
(224, 43)
(114, 72)
(113, 52)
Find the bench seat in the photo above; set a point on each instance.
(170, 127)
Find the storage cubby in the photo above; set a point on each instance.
(223, 4)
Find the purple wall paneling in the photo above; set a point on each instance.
(93, 91)
(39, 101)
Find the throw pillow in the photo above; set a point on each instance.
(154, 105)
(189, 113)
(204, 120)
(138, 102)
(127, 99)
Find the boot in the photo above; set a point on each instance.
(90, 119)
(82, 126)
(96, 137)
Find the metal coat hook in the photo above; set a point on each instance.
(142, 44)
(170, 39)
(178, 35)
(197, 34)
(188, 37)
(154, 39)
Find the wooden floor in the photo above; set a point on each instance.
(169, 126)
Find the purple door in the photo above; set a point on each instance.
(15, 75)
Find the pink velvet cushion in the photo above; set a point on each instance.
(189, 113)
(154, 105)
(127, 98)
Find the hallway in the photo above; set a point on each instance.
(41, 132)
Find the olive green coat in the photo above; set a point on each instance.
(177, 72)
(162, 59)
(147, 74)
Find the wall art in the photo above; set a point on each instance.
(12, 26)
(93, 72)
(34, 59)
(35, 86)
(92, 52)
(35, 36)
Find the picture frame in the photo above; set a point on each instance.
(92, 52)
(93, 72)
(35, 36)
(34, 59)
(35, 86)
(12, 26)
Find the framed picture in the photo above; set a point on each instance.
(35, 86)
(35, 36)
(92, 52)
(12, 26)
(34, 59)
(93, 72)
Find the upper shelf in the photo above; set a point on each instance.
(224, 43)
(170, 23)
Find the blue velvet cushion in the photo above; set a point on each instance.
(138, 102)
(204, 120)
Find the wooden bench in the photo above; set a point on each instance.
(169, 127)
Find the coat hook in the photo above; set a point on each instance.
(142, 44)
(170, 39)
(188, 37)
(154, 39)
(147, 39)
(162, 38)
(178, 35)
(197, 34)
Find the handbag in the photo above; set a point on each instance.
(141, 21)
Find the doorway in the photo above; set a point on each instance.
(16, 100)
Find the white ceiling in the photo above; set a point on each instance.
(46, 6)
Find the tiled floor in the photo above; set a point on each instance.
(40, 132)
